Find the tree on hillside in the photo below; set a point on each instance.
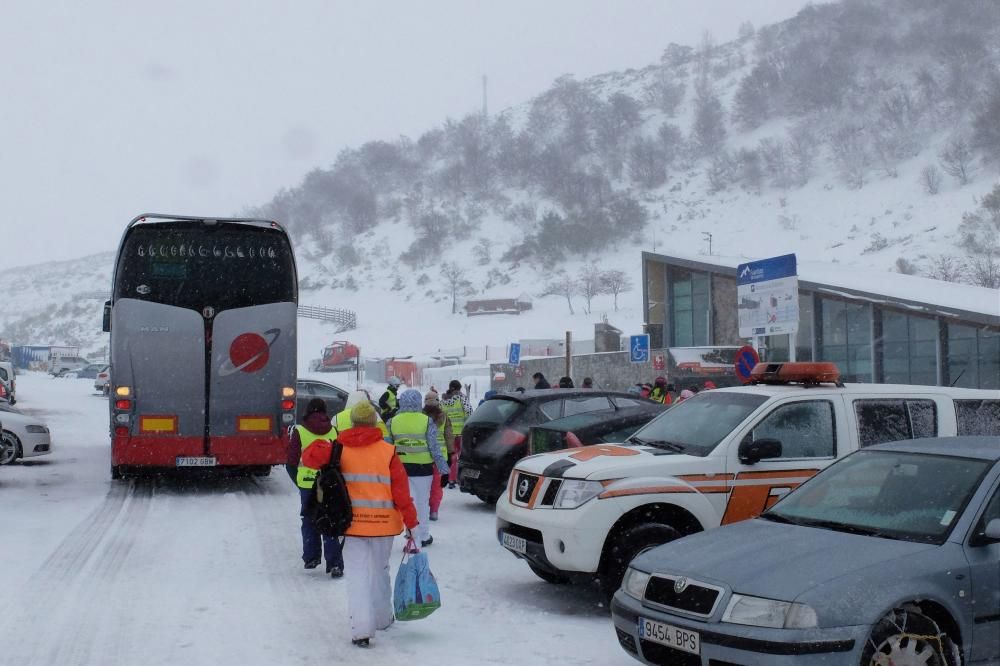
(455, 280)
(709, 130)
(562, 285)
(665, 92)
(986, 126)
(957, 159)
(590, 284)
(647, 162)
(616, 282)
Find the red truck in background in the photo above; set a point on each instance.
(339, 355)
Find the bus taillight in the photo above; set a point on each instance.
(288, 404)
(123, 405)
(121, 430)
(287, 392)
(123, 391)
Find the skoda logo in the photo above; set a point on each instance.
(680, 584)
(522, 488)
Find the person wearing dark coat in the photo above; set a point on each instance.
(540, 381)
(314, 427)
(565, 382)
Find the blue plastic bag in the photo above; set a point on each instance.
(415, 594)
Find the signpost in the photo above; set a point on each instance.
(638, 346)
(746, 359)
(767, 296)
(514, 355)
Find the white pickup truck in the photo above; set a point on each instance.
(720, 457)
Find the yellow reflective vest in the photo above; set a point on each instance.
(305, 477)
(408, 431)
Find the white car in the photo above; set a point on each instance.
(723, 456)
(23, 436)
(103, 380)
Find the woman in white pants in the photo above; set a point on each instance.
(415, 437)
(381, 505)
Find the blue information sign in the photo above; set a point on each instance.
(514, 357)
(638, 346)
(767, 296)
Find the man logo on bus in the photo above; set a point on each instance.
(249, 352)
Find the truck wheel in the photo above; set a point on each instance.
(905, 637)
(626, 546)
(548, 576)
(116, 472)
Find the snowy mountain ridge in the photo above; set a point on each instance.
(852, 133)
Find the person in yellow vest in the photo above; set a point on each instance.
(445, 439)
(342, 421)
(388, 404)
(415, 437)
(381, 505)
(456, 405)
(315, 426)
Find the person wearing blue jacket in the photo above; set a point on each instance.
(414, 435)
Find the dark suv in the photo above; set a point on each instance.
(496, 435)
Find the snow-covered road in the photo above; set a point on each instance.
(161, 571)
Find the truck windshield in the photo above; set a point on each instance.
(697, 425)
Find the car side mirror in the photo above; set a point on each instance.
(107, 317)
(992, 531)
(752, 451)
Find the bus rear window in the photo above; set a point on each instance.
(191, 265)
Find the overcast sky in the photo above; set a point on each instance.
(109, 109)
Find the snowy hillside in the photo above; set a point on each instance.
(858, 133)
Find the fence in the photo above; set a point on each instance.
(345, 320)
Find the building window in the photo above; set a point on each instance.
(909, 349)
(777, 348)
(690, 302)
(973, 359)
(846, 338)
(804, 336)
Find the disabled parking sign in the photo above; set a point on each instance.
(638, 346)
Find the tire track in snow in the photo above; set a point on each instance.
(109, 610)
(304, 603)
(72, 565)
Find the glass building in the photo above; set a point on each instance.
(939, 334)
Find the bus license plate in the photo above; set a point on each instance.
(669, 635)
(196, 461)
(515, 543)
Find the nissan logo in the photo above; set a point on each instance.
(522, 488)
(680, 584)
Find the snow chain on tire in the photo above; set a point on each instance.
(946, 650)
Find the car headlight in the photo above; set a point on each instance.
(759, 612)
(36, 428)
(634, 583)
(573, 493)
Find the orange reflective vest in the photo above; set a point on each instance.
(366, 470)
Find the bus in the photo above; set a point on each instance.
(202, 320)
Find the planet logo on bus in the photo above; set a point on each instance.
(249, 352)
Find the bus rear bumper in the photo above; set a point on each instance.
(163, 451)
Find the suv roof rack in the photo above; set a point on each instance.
(808, 374)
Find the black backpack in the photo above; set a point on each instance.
(331, 505)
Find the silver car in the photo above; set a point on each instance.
(890, 556)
